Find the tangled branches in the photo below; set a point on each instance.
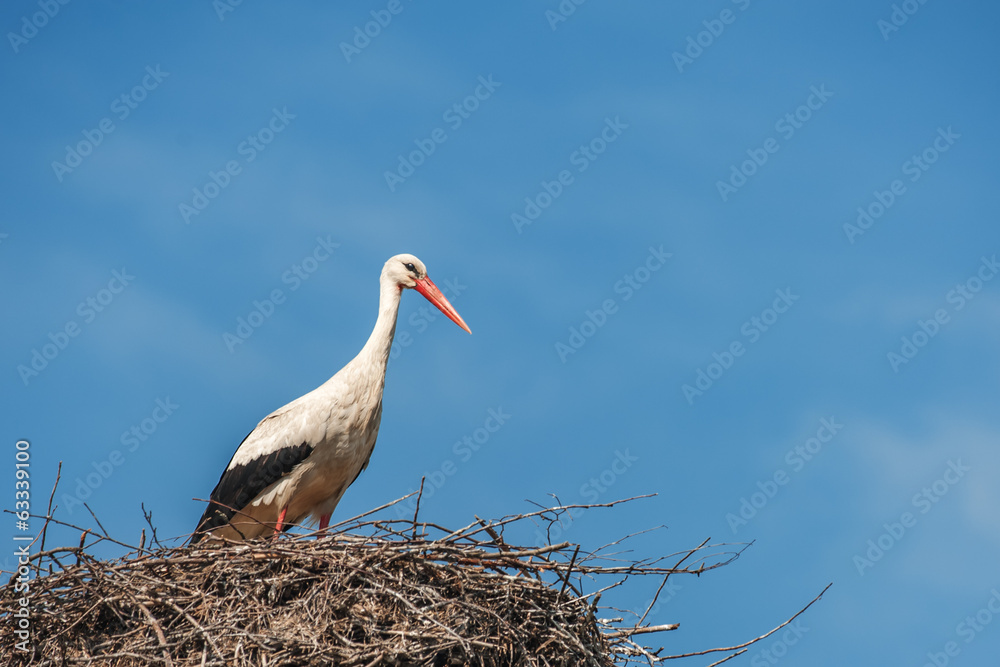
(368, 592)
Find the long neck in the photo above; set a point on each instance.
(376, 350)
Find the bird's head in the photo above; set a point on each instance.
(407, 272)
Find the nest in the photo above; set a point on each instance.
(367, 593)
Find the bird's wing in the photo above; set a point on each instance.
(376, 420)
(281, 441)
(364, 466)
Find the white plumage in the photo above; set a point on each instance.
(299, 460)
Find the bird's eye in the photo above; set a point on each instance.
(410, 267)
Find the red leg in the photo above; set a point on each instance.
(281, 522)
(324, 521)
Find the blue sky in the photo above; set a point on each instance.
(670, 192)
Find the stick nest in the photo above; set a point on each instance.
(367, 593)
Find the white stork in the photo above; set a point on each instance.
(301, 458)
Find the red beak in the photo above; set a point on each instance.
(433, 294)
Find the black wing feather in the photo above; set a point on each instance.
(240, 484)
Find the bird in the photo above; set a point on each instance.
(299, 460)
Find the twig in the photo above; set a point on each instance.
(48, 512)
(628, 632)
(752, 641)
(728, 657)
(96, 520)
(494, 534)
(148, 516)
(416, 509)
(569, 569)
(667, 576)
(158, 630)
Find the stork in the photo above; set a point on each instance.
(300, 459)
